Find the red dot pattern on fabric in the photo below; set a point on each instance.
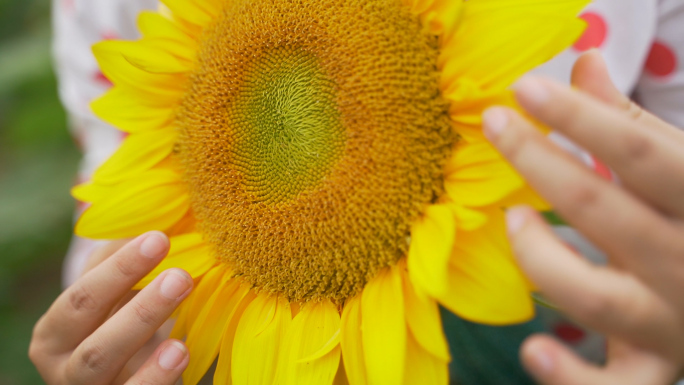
(569, 333)
(102, 79)
(595, 34)
(68, 4)
(602, 170)
(661, 61)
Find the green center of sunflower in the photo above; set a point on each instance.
(293, 133)
(313, 136)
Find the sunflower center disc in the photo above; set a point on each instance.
(312, 136)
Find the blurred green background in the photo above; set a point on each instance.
(38, 163)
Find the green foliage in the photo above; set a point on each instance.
(37, 167)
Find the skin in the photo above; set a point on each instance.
(636, 300)
(96, 330)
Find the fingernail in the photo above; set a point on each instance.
(154, 244)
(172, 355)
(516, 218)
(494, 121)
(175, 284)
(541, 361)
(532, 90)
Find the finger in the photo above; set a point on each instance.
(104, 353)
(649, 164)
(164, 367)
(553, 364)
(599, 297)
(88, 301)
(613, 219)
(590, 75)
(104, 252)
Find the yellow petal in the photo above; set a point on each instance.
(192, 11)
(157, 56)
(384, 328)
(485, 284)
(222, 376)
(188, 252)
(205, 287)
(432, 239)
(526, 196)
(137, 154)
(179, 330)
(423, 367)
(477, 175)
(467, 102)
(154, 25)
(556, 7)
(422, 315)
(89, 191)
(307, 356)
(205, 336)
(481, 52)
(109, 55)
(187, 224)
(123, 109)
(258, 340)
(442, 17)
(155, 200)
(352, 347)
(466, 218)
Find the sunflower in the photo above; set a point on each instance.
(321, 172)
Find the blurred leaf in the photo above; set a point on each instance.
(23, 58)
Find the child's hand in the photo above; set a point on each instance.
(638, 301)
(76, 342)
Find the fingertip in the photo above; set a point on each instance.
(176, 284)
(590, 74)
(173, 356)
(494, 121)
(532, 92)
(538, 354)
(154, 244)
(517, 217)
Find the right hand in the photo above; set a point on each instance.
(84, 338)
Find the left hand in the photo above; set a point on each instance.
(637, 300)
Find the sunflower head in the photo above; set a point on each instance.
(315, 143)
(320, 168)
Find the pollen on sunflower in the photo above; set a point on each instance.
(312, 137)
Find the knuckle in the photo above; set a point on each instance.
(637, 146)
(634, 111)
(598, 307)
(513, 143)
(125, 269)
(82, 300)
(35, 352)
(569, 116)
(90, 360)
(581, 197)
(145, 315)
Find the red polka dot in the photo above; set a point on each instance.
(601, 169)
(569, 333)
(109, 35)
(102, 79)
(68, 4)
(595, 34)
(662, 60)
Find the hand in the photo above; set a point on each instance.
(84, 338)
(637, 300)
